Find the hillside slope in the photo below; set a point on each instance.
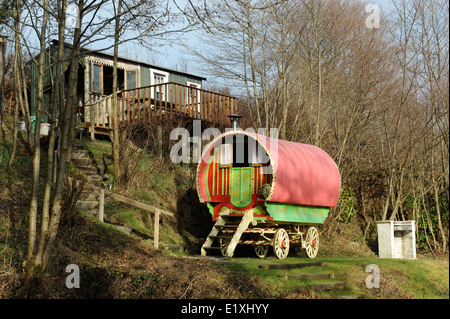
(117, 265)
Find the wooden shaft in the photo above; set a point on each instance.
(156, 231)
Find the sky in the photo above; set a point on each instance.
(170, 55)
(177, 57)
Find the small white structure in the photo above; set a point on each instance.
(396, 239)
(45, 129)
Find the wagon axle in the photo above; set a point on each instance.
(231, 230)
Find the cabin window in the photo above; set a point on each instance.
(226, 157)
(131, 79)
(193, 95)
(159, 79)
(96, 78)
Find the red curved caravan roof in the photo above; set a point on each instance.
(303, 174)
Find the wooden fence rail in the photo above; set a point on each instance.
(164, 100)
(134, 203)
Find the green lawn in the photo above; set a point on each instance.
(419, 279)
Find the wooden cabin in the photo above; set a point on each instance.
(146, 92)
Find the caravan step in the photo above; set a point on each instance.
(220, 236)
(227, 226)
(212, 248)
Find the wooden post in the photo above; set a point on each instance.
(156, 231)
(150, 104)
(2, 78)
(139, 105)
(165, 100)
(92, 118)
(160, 141)
(101, 206)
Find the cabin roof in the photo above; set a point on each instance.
(85, 50)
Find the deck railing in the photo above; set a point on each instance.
(145, 104)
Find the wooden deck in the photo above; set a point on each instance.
(150, 103)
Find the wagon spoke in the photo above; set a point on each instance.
(312, 242)
(261, 250)
(281, 243)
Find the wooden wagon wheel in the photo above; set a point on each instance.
(223, 243)
(281, 243)
(312, 242)
(261, 250)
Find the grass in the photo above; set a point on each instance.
(149, 180)
(399, 279)
(116, 265)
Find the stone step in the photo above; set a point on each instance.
(125, 229)
(328, 286)
(87, 205)
(93, 212)
(172, 247)
(80, 153)
(351, 297)
(94, 179)
(310, 276)
(92, 170)
(89, 196)
(82, 162)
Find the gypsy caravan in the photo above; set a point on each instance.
(265, 192)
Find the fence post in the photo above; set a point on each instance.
(156, 231)
(101, 205)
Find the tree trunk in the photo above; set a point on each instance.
(66, 126)
(2, 79)
(37, 148)
(17, 82)
(57, 99)
(116, 137)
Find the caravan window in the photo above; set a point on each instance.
(226, 158)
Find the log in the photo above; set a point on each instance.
(156, 231)
(310, 276)
(291, 266)
(101, 206)
(329, 286)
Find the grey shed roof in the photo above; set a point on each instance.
(87, 51)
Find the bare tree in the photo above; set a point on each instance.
(41, 32)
